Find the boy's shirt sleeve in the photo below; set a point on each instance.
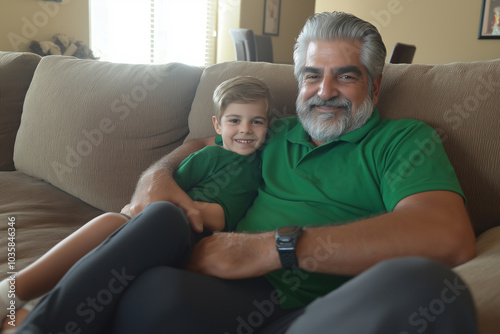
(192, 170)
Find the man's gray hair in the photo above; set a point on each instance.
(342, 26)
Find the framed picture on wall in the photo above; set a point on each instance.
(490, 20)
(272, 17)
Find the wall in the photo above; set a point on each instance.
(444, 31)
(22, 21)
(249, 14)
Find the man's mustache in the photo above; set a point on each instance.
(335, 102)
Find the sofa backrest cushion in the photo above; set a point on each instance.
(16, 71)
(462, 102)
(278, 77)
(91, 128)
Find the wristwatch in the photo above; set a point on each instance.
(286, 238)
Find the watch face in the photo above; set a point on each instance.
(288, 231)
(286, 236)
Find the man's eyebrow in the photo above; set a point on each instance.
(349, 69)
(339, 70)
(308, 69)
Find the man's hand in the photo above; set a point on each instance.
(235, 255)
(157, 184)
(154, 186)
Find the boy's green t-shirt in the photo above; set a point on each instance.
(363, 173)
(216, 175)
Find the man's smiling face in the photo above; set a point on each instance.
(334, 94)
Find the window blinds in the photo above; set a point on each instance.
(154, 31)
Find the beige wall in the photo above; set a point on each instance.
(249, 14)
(22, 21)
(444, 31)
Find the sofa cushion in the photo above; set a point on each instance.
(91, 128)
(16, 71)
(462, 102)
(41, 216)
(482, 275)
(278, 77)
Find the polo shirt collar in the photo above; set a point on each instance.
(298, 135)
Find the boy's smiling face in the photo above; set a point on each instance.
(243, 126)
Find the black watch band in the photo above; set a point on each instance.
(289, 260)
(286, 239)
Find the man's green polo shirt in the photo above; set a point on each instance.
(363, 173)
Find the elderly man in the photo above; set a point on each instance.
(344, 236)
(342, 174)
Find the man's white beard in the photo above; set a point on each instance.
(325, 127)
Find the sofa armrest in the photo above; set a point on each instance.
(482, 274)
(16, 71)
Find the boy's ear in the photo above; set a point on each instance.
(216, 125)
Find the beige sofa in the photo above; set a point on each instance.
(76, 134)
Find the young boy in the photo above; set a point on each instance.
(222, 180)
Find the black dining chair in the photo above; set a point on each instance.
(250, 47)
(402, 53)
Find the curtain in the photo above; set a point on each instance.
(154, 31)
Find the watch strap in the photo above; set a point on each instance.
(286, 240)
(288, 259)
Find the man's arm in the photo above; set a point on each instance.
(157, 183)
(431, 224)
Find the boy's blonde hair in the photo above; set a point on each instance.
(244, 89)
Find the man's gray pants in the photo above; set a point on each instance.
(400, 296)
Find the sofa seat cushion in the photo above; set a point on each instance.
(43, 216)
(16, 71)
(482, 275)
(91, 128)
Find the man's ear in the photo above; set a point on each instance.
(376, 89)
(217, 126)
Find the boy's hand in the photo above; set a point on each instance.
(212, 215)
(194, 215)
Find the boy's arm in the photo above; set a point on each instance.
(212, 215)
(157, 183)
